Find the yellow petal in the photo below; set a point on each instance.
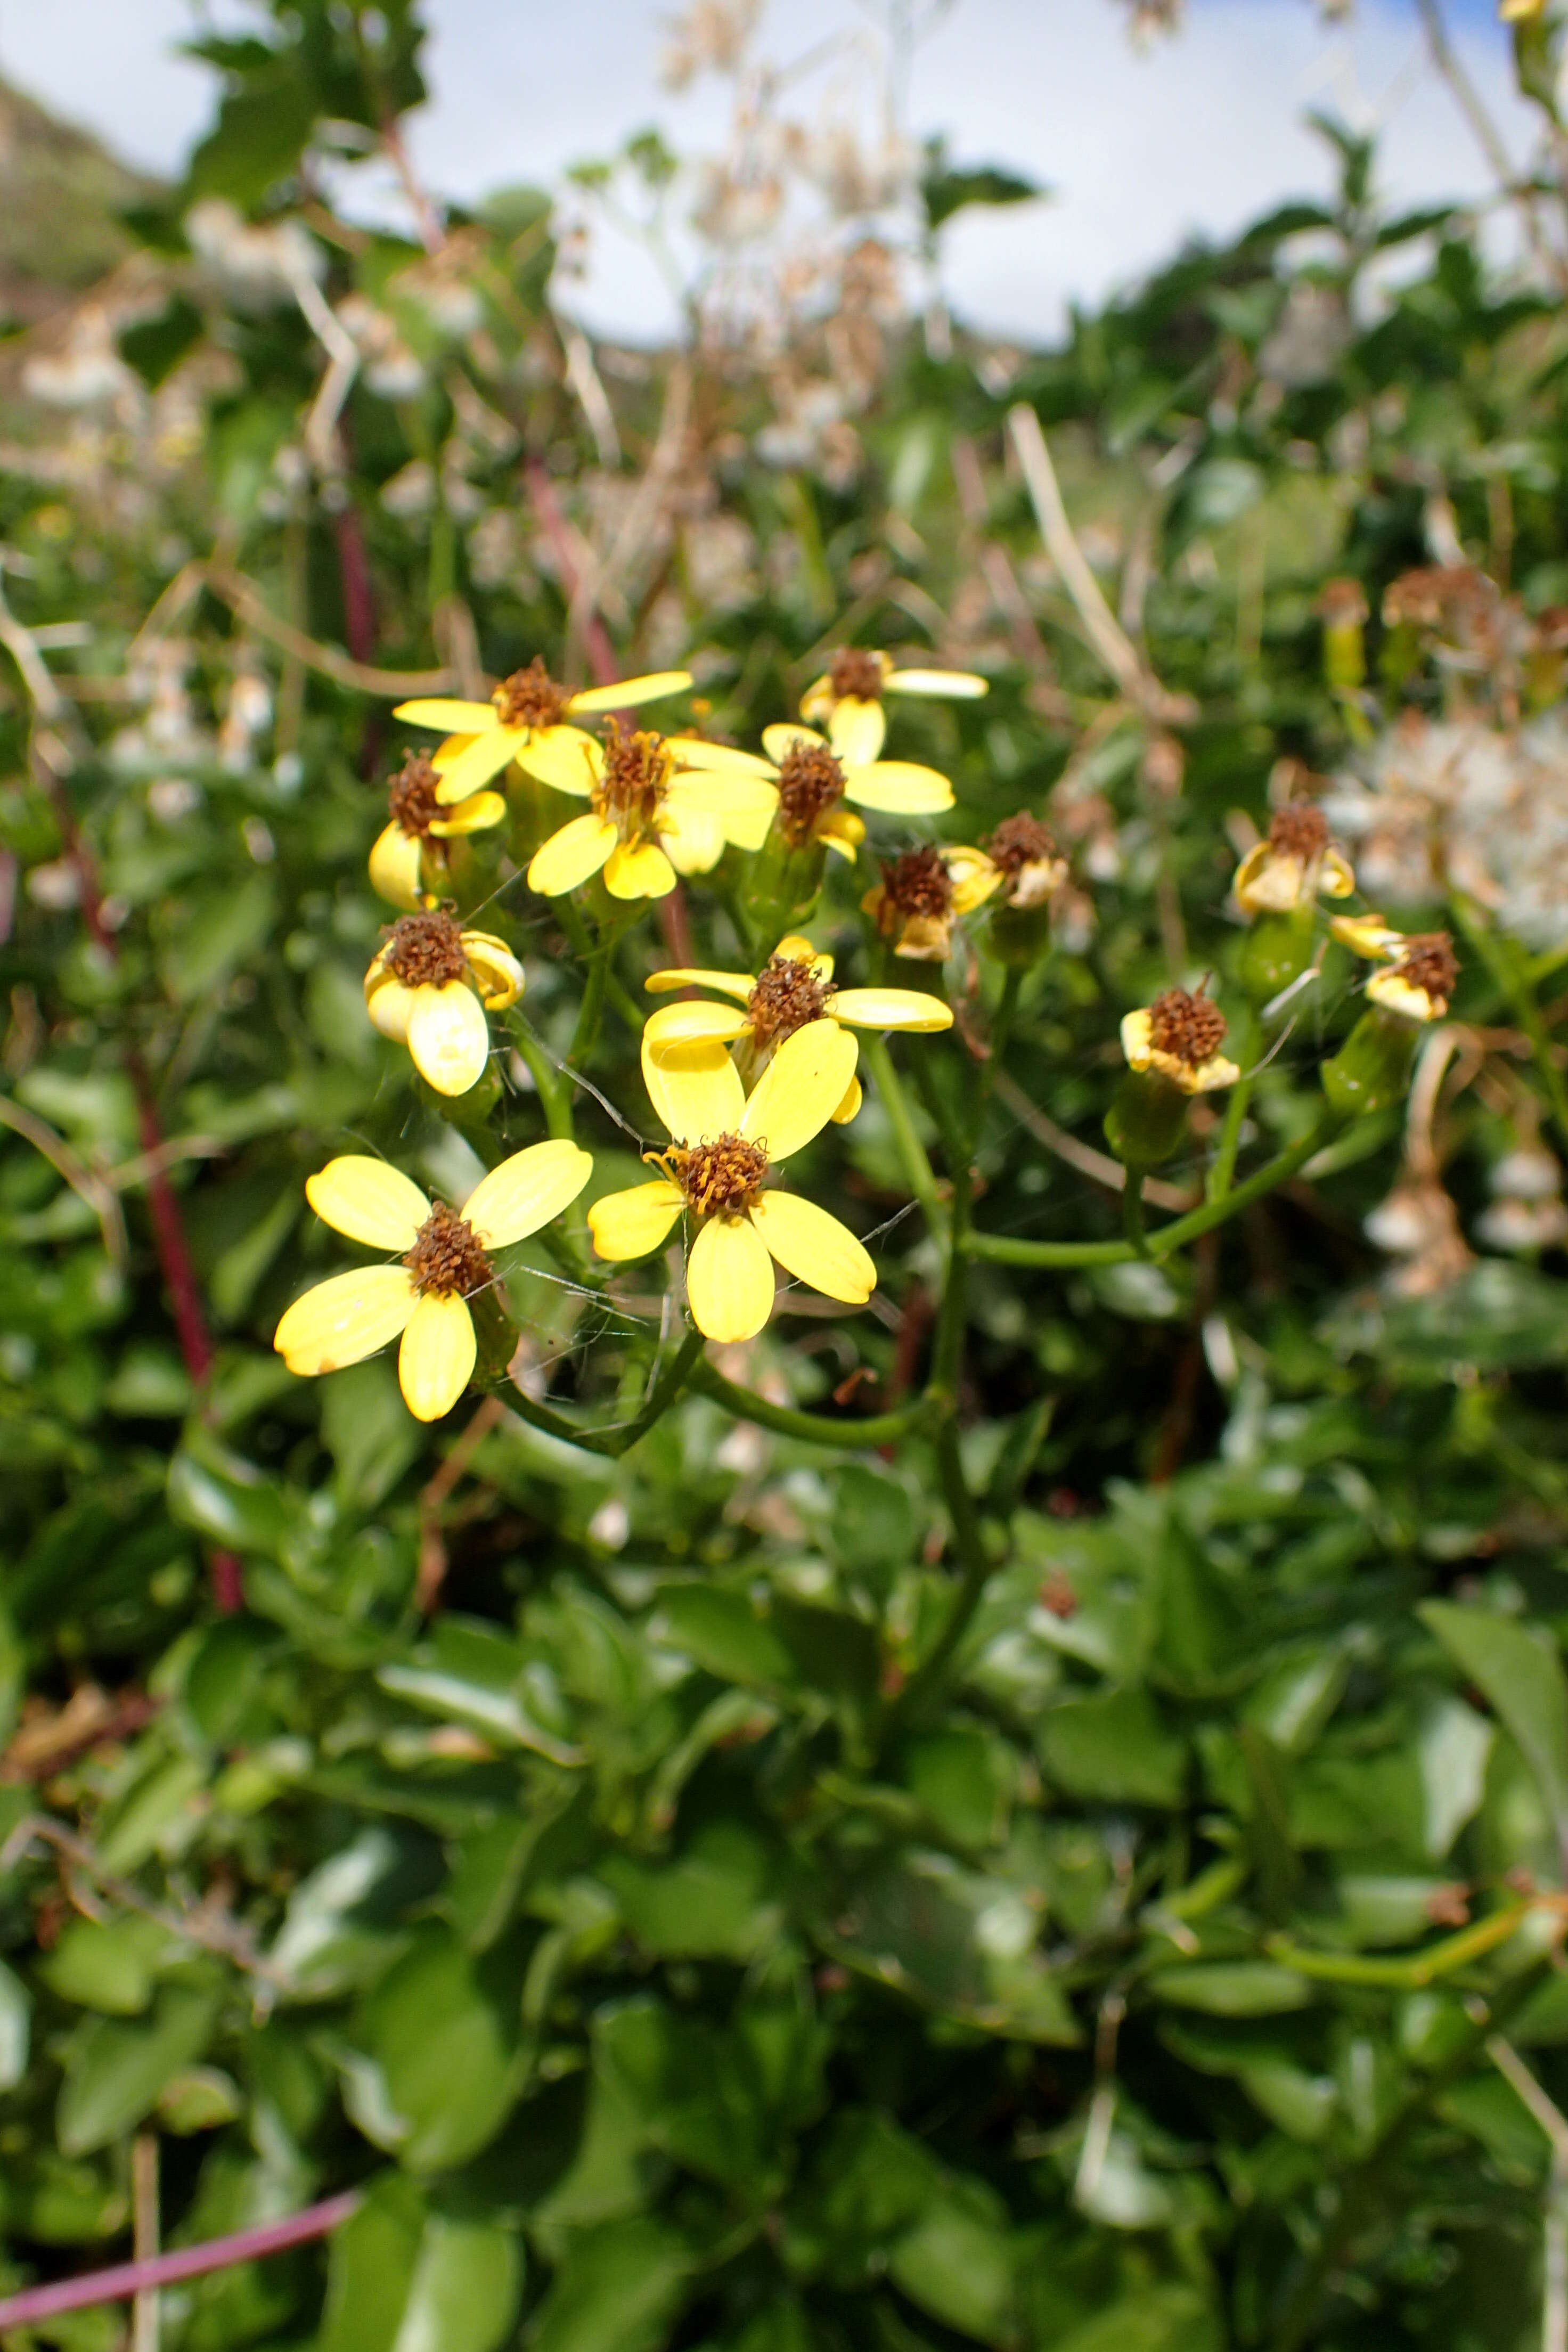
(795, 949)
(1398, 995)
(631, 691)
(691, 840)
(1368, 935)
(345, 1320)
(777, 742)
(973, 876)
(368, 1200)
(816, 702)
(480, 811)
(563, 757)
(946, 685)
(1269, 881)
(452, 718)
(721, 759)
(1336, 880)
(639, 871)
(900, 788)
(449, 1036)
(394, 867)
(842, 831)
(730, 1280)
(1215, 1072)
(442, 757)
(889, 1008)
(526, 1191)
(485, 757)
(733, 983)
(814, 1246)
(570, 856)
(857, 730)
(695, 1087)
(1136, 1043)
(629, 1224)
(673, 1024)
(498, 975)
(853, 1096)
(436, 1357)
(800, 1088)
(388, 1003)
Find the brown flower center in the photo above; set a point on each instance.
(426, 950)
(411, 800)
(723, 1174)
(852, 672)
(1185, 1025)
(811, 780)
(447, 1259)
(1343, 603)
(786, 995)
(1299, 830)
(919, 883)
(637, 769)
(531, 698)
(1429, 962)
(1019, 840)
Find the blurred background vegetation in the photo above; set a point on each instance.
(578, 1856)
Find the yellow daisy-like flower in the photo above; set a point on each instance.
(922, 895)
(1296, 864)
(660, 805)
(716, 1170)
(1023, 853)
(1180, 1036)
(410, 854)
(428, 989)
(794, 988)
(444, 1261)
(1422, 968)
(527, 709)
(814, 781)
(846, 699)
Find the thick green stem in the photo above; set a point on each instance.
(912, 1151)
(874, 1429)
(1004, 1250)
(622, 1436)
(1133, 1213)
(1222, 1174)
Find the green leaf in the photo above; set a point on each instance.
(471, 1672)
(722, 1632)
(1519, 1670)
(1233, 1988)
(109, 1965)
(618, 2290)
(716, 1899)
(1160, 2319)
(260, 135)
(16, 2028)
(1114, 1745)
(442, 2031)
(401, 2278)
(115, 2074)
(945, 190)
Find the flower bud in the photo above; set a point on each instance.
(1147, 1119)
(1371, 1068)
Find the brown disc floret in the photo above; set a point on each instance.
(856, 676)
(1187, 1025)
(426, 950)
(1300, 829)
(786, 994)
(531, 698)
(1019, 840)
(919, 883)
(446, 1260)
(811, 781)
(411, 800)
(1429, 962)
(723, 1174)
(637, 766)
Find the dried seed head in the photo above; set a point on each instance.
(811, 781)
(425, 950)
(1299, 830)
(531, 698)
(723, 1174)
(1429, 962)
(919, 883)
(411, 800)
(1343, 603)
(637, 766)
(1019, 840)
(1437, 594)
(786, 995)
(856, 674)
(446, 1260)
(1187, 1025)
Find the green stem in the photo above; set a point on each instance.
(974, 1567)
(1505, 973)
(876, 1429)
(591, 1011)
(912, 1151)
(1001, 1031)
(614, 1442)
(1132, 1212)
(1222, 1174)
(554, 1092)
(1003, 1250)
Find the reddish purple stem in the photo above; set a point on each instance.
(124, 2279)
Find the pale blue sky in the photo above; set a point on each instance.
(1201, 133)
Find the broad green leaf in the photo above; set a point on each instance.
(16, 2028)
(718, 1898)
(1521, 1673)
(442, 2031)
(721, 1631)
(1113, 1746)
(1233, 1988)
(618, 2290)
(115, 2072)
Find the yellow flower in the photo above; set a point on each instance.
(847, 697)
(921, 894)
(444, 1262)
(813, 780)
(1368, 935)
(410, 852)
(716, 1170)
(794, 988)
(660, 805)
(1418, 984)
(428, 989)
(1028, 865)
(1180, 1036)
(527, 709)
(1296, 864)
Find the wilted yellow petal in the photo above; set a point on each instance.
(733, 983)
(973, 876)
(673, 1024)
(388, 1003)
(1337, 880)
(814, 1246)
(800, 1088)
(889, 1008)
(394, 867)
(1136, 1042)
(436, 1357)
(570, 856)
(730, 1280)
(841, 830)
(1206, 1076)
(1398, 995)
(480, 811)
(899, 788)
(448, 1037)
(857, 730)
(630, 692)
(526, 1191)
(368, 1200)
(695, 1087)
(498, 975)
(453, 718)
(945, 684)
(629, 1224)
(640, 871)
(563, 757)
(485, 757)
(345, 1320)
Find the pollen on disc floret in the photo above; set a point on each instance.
(725, 1173)
(811, 781)
(426, 950)
(786, 994)
(531, 698)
